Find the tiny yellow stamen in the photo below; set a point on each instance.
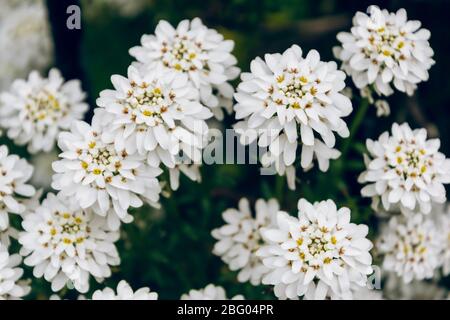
(92, 144)
(97, 171)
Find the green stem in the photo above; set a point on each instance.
(359, 117)
(279, 187)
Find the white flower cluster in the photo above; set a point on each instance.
(155, 115)
(14, 188)
(63, 243)
(405, 170)
(411, 246)
(318, 254)
(11, 287)
(34, 111)
(385, 48)
(25, 39)
(124, 292)
(240, 238)
(210, 292)
(196, 51)
(289, 99)
(100, 177)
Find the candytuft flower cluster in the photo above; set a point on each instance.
(318, 254)
(385, 49)
(287, 100)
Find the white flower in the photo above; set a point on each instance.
(124, 292)
(288, 99)
(11, 287)
(156, 116)
(196, 51)
(14, 175)
(210, 292)
(411, 247)
(240, 238)
(405, 170)
(25, 39)
(100, 177)
(384, 48)
(64, 243)
(35, 111)
(317, 255)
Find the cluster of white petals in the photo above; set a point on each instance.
(11, 287)
(318, 254)
(289, 99)
(34, 111)
(25, 39)
(196, 51)
(210, 292)
(240, 238)
(411, 247)
(65, 243)
(125, 292)
(405, 170)
(156, 116)
(14, 188)
(98, 176)
(385, 49)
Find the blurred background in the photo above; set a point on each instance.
(169, 250)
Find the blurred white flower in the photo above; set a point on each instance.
(124, 292)
(288, 99)
(442, 216)
(411, 247)
(405, 170)
(240, 238)
(383, 109)
(11, 287)
(156, 116)
(210, 292)
(64, 243)
(15, 173)
(99, 177)
(395, 289)
(34, 111)
(25, 39)
(320, 254)
(385, 48)
(196, 51)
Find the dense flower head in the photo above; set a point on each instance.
(405, 170)
(411, 247)
(318, 254)
(196, 51)
(210, 292)
(34, 111)
(125, 292)
(240, 238)
(288, 99)
(64, 242)
(25, 39)
(11, 287)
(14, 188)
(156, 115)
(385, 48)
(100, 177)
